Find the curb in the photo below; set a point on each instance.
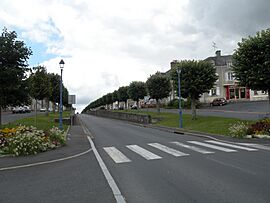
(85, 129)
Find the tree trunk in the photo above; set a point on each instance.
(158, 106)
(269, 101)
(0, 116)
(47, 106)
(36, 113)
(193, 108)
(53, 107)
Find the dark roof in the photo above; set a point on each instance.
(219, 59)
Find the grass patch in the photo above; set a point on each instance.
(207, 124)
(43, 122)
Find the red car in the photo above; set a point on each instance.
(218, 102)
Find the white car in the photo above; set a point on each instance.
(42, 110)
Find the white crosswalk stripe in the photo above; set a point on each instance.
(143, 152)
(231, 145)
(258, 146)
(197, 149)
(116, 155)
(212, 146)
(168, 149)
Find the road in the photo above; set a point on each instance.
(243, 110)
(150, 165)
(8, 117)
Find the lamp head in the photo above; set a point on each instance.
(62, 63)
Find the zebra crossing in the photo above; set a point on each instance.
(205, 147)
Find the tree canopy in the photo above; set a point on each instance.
(197, 77)
(251, 61)
(158, 87)
(123, 94)
(137, 90)
(13, 66)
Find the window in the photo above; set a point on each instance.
(229, 76)
(214, 91)
(229, 63)
(217, 78)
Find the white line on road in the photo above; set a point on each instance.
(258, 146)
(116, 192)
(196, 149)
(45, 162)
(212, 146)
(168, 149)
(116, 155)
(231, 145)
(143, 152)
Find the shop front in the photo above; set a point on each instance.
(234, 92)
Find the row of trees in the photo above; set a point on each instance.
(157, 86)
(197, 77)
(16, 85)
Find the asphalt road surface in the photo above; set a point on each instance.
(243, 110)
(8, 117)
(150, 165)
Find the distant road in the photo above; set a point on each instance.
(8, 117)
(242, 110)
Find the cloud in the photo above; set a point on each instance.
(107, 44)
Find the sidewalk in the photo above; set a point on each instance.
(76, 143)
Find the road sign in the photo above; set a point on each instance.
(71, 99)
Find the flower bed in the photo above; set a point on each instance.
(260, 129)
(24, 140)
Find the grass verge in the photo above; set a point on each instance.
(43, 122)
(207, 124)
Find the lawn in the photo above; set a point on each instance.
(43, 122)
(207, 124)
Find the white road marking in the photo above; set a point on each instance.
(168, 150)
(45, 162)
(231, 145)
(116, 192)
(116, 155)
(212, 146)
(197, 149)
(143, 152)
(258, 146)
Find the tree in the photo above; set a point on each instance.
(55, 88)
(197, 77)
(251, 62)
(13, 66)
(136, 90)
(158, 87)
(123, 94)
(39, 84)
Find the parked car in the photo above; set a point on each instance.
(42, 110)
(18, 109)
(26, 109)
(134, 107)
(218, 102)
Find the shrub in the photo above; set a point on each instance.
(261, 127)
(24, 140)
(57, 136)
(238, 130)
(27, 143)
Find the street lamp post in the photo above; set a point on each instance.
(62, 63)
(179, 95)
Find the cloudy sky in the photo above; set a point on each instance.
(107, 44)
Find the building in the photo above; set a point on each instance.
(226, 85)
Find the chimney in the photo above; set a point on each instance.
(218, 53)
